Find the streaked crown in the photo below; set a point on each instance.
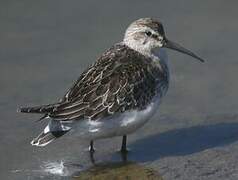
(144, 34)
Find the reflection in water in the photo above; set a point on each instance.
(61, 168)
(50, 169)
(111, 170)
(56, 168)
(119, 171)
(123, 156)
(177, 142)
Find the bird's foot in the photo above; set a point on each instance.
(91, 154)
(124, 150)
(91, 149)
(124, 154)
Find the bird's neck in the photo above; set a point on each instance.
(139, 47)
(157, 55)
(160, 59)
(160, 55)
(153, 53)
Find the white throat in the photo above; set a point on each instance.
(138, 46)
(158, 54)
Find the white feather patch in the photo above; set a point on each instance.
(136, 116)
(47, 129)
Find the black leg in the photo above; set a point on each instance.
(91, 152)
(91, 149)
(123, 145)
(124, 150)
(92, 157)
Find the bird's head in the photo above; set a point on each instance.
(146, 34)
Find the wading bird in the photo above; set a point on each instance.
(118, 93)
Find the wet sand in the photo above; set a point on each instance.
(45, 45)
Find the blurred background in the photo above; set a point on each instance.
(44, 47)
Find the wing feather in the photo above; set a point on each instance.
(120, 80)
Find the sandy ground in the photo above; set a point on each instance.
(45, 45)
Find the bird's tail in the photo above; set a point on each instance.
(53, 130)
(45, 138)
(38, 109)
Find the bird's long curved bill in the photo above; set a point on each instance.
(172, 45)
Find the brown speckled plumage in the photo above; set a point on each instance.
(151, 23)
(120, 80)
(118, 93)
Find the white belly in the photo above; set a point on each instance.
(117, 125)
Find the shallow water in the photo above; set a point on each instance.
(45, 45)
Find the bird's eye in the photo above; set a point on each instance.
(155, 36)
(148, 33)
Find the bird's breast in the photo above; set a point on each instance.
(117, 125)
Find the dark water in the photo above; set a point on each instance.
(45, 45)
